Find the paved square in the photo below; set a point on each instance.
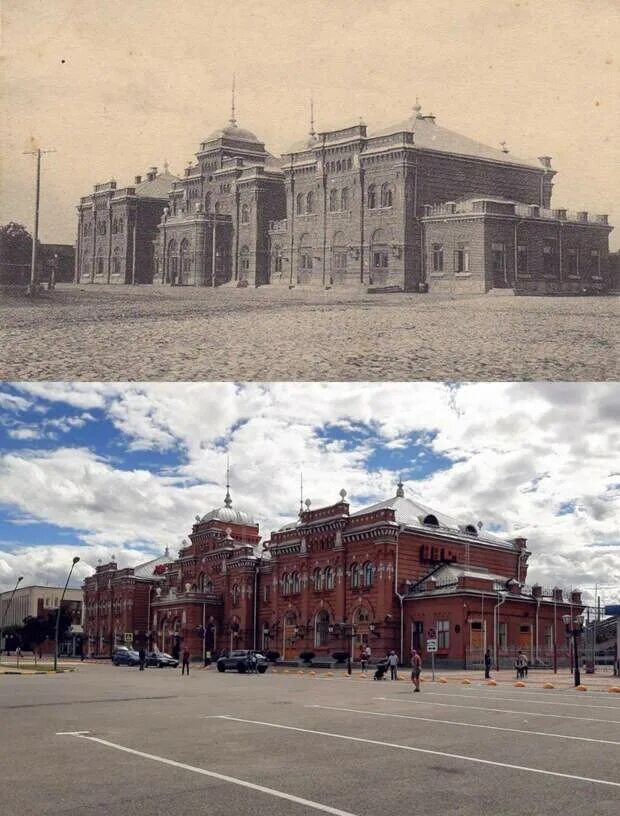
(110, 740)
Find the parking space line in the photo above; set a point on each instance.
(299, 800)
(517, 699)
(466, 724)
(498, 710)
(417, 750)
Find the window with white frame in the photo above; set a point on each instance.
(437, 257)
(443, 634)
(461, 258)
(502, 635)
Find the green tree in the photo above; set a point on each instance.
(15, 252)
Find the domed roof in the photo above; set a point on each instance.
(230, 515)
(233, 132)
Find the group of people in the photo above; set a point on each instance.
(390, 662)
(521, 666)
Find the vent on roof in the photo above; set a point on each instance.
(471, 529)
(431, 519)
(138, 179)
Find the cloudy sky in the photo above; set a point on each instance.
(102, 469)
(119, 85)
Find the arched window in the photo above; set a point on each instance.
(349, 163)
(372, 197)
(295, 583)
(369, 573)
(432, 520)
(339, 256)
(333, 200)
(338, 166)
(304, 263)
(361, 615)
(328, 578)
(245, 214)
(300, 204)
(321, 628)
(185, 260)
(217, 207)
(235, 595)
(344, 198)
(355, 576)
(317, 579)
(173, 262)
(205, 584)
(207, 202)
(276, 257)
(114, 226)
(310, 202)
(100, 263)
(286, 584)
(121, 226)
(386, 195)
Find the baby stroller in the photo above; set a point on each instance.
(380, 671)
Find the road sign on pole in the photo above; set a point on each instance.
(431, 645)
(431, 633)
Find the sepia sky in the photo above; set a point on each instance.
(120, 85)
(102, 469)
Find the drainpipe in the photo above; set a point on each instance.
(495, 628)
(516, 267)
(362, 211)
(400, 598)
(255, 602)
(292, 224)
(324, 213)
(536, 644)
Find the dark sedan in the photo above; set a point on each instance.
(161, 659)
(243, 660)
(125, 657)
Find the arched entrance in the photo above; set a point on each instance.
(339, 259)
(304, 260)
(185, 263)
(289, 631)
(379, 258)
(172, 263)
(321, 629)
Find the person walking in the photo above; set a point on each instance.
(416, 668)
(142, 658)
(393, 663)
(487, 665)
(524, 665)
(363, 660)
(185, 665)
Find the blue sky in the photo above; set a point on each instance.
(101, 469)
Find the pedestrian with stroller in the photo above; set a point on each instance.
(393, 664)
(416, 668)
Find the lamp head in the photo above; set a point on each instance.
(21, 578)
(76, 558)
(566, 619)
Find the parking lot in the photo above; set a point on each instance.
(107, 739)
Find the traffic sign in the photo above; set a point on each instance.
(431, 645)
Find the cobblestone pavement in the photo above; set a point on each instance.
(152, 333)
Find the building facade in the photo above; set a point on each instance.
(390, 576)
(398, 208)
(117, 227)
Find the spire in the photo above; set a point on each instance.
(400, 492)
(301, 492)
(232, 119)
(228, 500)
(417, 109)
(166, 166)
(312, 130)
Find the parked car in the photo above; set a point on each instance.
(161, 659)
(123, 656)
(241, 659)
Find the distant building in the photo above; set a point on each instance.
(117, 227)
(39, 602)
(394, 575)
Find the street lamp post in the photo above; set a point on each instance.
(75, 560)
(8, 606)
(574, 628)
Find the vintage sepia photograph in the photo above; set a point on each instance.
(275, 191)
(309, 441)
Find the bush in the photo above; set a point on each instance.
(306, 656)
(340, 657)
(272, 656)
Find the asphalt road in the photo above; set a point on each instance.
(158, 743)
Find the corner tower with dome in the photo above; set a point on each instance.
(214, 230)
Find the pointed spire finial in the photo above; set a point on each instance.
(417, 108)
(400, 491)
(301, 492)
(232, 119)
(312, 130)
(227, 500)
(166, 166)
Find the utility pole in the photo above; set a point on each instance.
(38, 152)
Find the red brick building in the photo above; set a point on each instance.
(389, 576)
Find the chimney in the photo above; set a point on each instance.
(545, 161)
(534, 210)
(151, 174)
(520, 543)
(560, 214)
(138, 180)
(536, 591)
(557, 594)
(582, 215)
(575, 597)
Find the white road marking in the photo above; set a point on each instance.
(498, 710)
(71, 733)
(416, 750)
(466, 724)
(299, 800)
(517, 699)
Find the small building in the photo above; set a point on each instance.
(117, 227)
(482, 243)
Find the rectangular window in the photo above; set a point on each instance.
(461, 258)
(572, 262)
(595, 263)
(380, 260)
(266, 593)
(549, 637)
(499, 258)
(502, 635)
(522, 259)
(550, 255)
(437, 257)
(443, 634)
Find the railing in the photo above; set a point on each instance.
(278, 226)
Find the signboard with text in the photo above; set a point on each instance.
(431, 645)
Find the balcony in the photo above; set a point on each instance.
(278, 226)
